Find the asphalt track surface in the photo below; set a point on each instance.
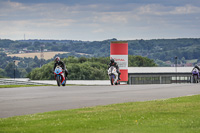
(30, 100)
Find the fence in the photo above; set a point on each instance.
(20, 82)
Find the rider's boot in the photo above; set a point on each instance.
(119, 76)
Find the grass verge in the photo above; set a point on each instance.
(160, 116)
(191, 61)
(15, 86)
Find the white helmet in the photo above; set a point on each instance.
(57, 59)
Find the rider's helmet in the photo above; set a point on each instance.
(112, 60)
(57, 59)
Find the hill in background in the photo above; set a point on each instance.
(162, 51)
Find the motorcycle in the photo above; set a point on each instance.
(113, 75)
(195, 75)
(60, 76)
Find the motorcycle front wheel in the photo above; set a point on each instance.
(112, 79)
(58, 80)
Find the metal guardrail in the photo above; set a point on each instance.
(19, 82)
(27, 81)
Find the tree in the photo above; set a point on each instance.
(2, 73)
(22, 72)
(183, 60)
(36, 60)
(82, 59)
(28, 69)
(134, 61)
(12, 71)
(198, 60)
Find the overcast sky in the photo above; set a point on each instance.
(97, 20)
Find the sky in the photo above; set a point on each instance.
(97, 20)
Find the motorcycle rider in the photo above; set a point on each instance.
(113, 63)
(60, 63)
(196, 67)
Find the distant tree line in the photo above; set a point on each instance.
(159, 50)
(166, 49)
(162, 49)
(18, 67)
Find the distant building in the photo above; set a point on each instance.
(188, 65)
(168, 62)
(159, 75)
(20, 52)
(25, 49)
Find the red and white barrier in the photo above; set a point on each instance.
(119, 52)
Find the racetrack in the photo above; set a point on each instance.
(29, 100)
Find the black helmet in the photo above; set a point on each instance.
(112, 60)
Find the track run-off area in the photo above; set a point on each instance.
(30, 100)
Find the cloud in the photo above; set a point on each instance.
(154, 9)
(110, 17)
(107, 19)
(98, 31)
(187, 9)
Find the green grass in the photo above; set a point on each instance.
(191, 61)
(15, 86)
(177, 115)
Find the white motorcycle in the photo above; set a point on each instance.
(113, 75)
